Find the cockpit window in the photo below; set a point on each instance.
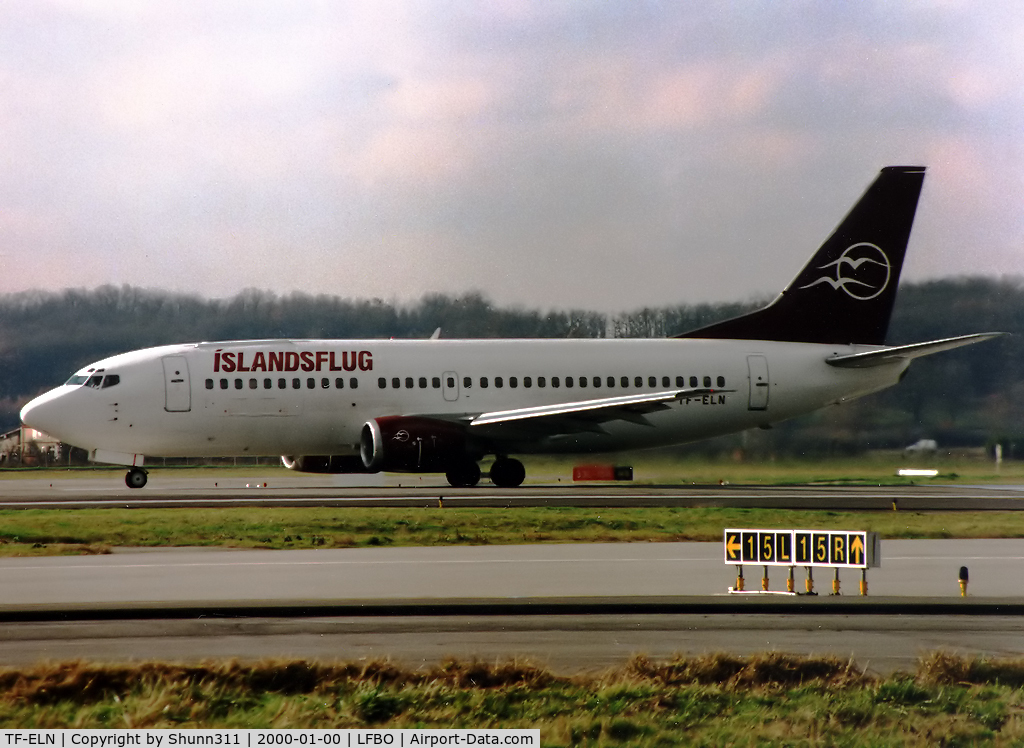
(110, 380)
(77, 379)
(95, 381)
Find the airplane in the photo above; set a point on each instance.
(441, 406)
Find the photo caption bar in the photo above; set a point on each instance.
(113, 738)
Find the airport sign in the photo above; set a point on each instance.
(855, 549)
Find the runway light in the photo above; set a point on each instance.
(913, 473)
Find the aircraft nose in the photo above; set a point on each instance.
(44, 413)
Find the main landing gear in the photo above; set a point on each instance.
(505, 473)
(136, 478)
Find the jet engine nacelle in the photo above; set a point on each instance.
(324, 463)
(411, 444)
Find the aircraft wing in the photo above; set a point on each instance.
(584, 415)
(906, 352)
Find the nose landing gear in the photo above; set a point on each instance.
(136, 478)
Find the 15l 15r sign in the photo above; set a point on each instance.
(855, 549)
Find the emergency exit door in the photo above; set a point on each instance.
(177, 388)
(757, 366)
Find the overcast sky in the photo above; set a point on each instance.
(603, 155)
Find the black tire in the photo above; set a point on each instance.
(136, 478)
(465, 475)
(507, 473)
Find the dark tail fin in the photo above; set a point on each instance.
(846, 292)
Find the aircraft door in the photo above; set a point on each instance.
(177, 388)
(757, 366)
(451, 386)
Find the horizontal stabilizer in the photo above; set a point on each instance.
(906, 352)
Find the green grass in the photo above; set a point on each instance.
(53, 532)
(711, 700)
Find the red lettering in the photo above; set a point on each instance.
(365, 361)
(348, 360)
(276, 362)
(228, 360)
(307, 360)
(216, 360)
(241, 362)
(333, 367)
(321, 359)
(291, 361)
(259, 362)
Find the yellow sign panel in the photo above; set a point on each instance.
(839, 548)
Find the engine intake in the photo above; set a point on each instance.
(411, 444)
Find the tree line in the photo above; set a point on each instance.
(967, 397)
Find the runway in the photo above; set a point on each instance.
(274, 488)
(570, 607)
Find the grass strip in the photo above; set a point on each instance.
(79, 531)
(708, 700)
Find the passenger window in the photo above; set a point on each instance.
(238, 384)
(499, 382)
(483, 382)
(611, 381)
(296, 383)
(223, 384)
(568, 381)
(325, 383)
(339, 383)
(423, 383)
(252, 383)
(527, 382)
(396, 383)
(721, 381)
(382, 382)
(583, 381)
(555, 382)
(624, 381)
(409, 383)
(513, 382)
(652, 381)
(541, 382)
(597, 381)
(707, 381)
(693, 381)
(268, 384)
(353, 383)
(282, 384)
(451, 382)
(310, 383)
(680, 381)
(435, 382)
(209, 384)
(664, 381)
(467, 382)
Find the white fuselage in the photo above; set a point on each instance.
(297, 397)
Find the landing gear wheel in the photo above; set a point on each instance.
(136, 478)
(507, 473)
(464, 475)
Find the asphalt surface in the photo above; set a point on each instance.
(571, 607)
(165, 488)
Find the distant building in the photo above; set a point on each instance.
(25, 447)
